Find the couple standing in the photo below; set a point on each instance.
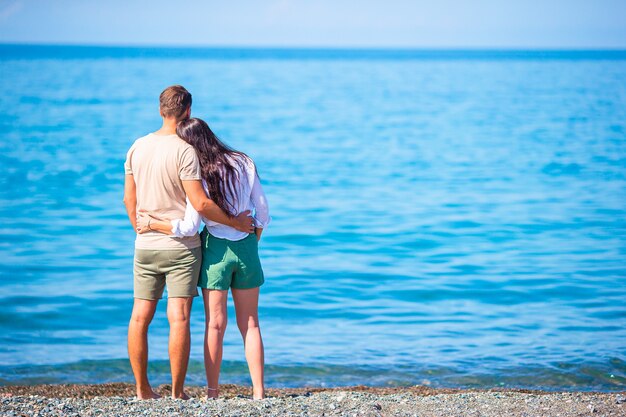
(175, 177)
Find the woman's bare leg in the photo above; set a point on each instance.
(247, 308)
(215, 325)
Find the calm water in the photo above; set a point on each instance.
(446, 217)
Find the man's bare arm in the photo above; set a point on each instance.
(208, 209)
(130, 200)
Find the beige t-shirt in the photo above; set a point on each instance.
(159, 164)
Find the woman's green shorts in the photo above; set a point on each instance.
(227, 263)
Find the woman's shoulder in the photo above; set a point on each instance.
(243, 160)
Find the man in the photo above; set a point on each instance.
(161, 170)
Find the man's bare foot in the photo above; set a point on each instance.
(147, 395)
(182, 396)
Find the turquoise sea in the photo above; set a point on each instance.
(453, 218)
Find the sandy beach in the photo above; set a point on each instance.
(118, 400)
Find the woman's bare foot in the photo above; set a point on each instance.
(147, 395)
(212, 393)
(258, 394)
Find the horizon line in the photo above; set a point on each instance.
(324, 47)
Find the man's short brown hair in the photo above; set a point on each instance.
(174, 101)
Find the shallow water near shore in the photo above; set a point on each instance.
(455, 220)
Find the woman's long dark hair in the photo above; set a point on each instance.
(217, 161)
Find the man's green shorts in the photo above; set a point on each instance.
(230, 264)
(179, 268)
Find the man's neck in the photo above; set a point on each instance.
(168, 127)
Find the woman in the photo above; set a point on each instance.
(230, 258)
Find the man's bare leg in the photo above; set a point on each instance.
(247, 310)
(143, 312)
(214, 328)
(178, 313)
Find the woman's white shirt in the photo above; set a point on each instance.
(249, 195)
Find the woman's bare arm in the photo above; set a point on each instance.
(145, 224)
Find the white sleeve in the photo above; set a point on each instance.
(259, 202)
(187, 226)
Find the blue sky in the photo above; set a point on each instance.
(325, 23)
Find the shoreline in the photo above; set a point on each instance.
(124, 389)
(118, 399)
